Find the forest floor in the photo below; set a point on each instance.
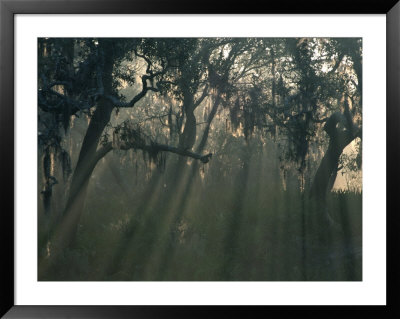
(213, 232)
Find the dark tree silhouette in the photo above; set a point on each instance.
(79, 75)
(304, 94)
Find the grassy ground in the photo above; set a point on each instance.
(228, 228)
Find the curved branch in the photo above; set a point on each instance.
(149, 63)
(118, 103)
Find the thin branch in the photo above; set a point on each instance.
(118, 103)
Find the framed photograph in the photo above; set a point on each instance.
(164, 159)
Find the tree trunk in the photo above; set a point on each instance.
(86, 163)
(65, 234)
(329, 164)
(188, 136)
(87, 160)
(210, 118)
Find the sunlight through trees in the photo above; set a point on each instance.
(200, 158)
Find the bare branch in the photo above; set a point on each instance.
(149, 63)
(118, 103)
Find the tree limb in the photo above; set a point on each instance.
(202, 97)
(153, 147)
(335, 67)
(118, 103)
(172, 149)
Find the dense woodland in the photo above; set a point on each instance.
(199, 159)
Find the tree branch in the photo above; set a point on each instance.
(335, 67)
(154, 148)
(58, 106)
(118, 103)
(167, 148)
(202, 97)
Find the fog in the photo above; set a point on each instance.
(200, 159)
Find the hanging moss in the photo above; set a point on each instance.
(66, 116)
(49, 180)
(46, 163)
(65, 164)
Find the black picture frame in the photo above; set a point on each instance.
(9, 8)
